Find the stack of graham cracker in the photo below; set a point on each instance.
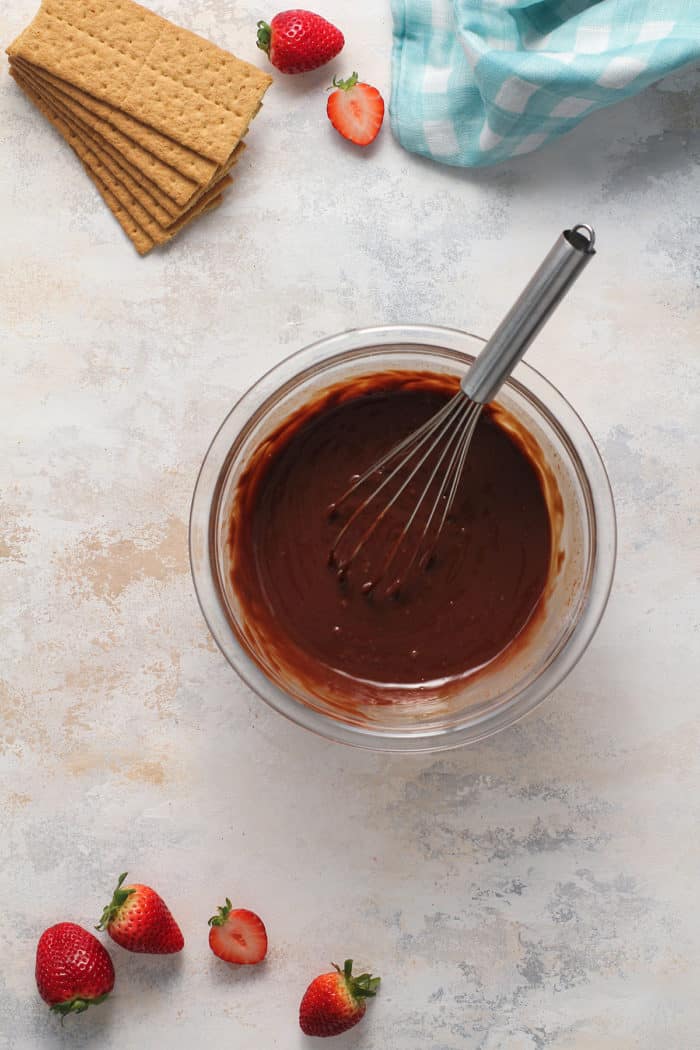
(156, 114)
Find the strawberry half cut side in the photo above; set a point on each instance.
(238, 935)
(356, 110)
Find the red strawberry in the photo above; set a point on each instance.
(238, 936)
(298, 41)
(139, 920)
(336, 1001)
(73, 970)
(355, 110)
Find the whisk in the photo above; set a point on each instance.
(441, 445)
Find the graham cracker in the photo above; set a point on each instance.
(166, 77)
(162, 216)
(185, 170)
(140, 227)
(215, 193)
(159, 206)
(122, 171)
(139, 238)
(174, 187)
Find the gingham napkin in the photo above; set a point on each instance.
(478, 81)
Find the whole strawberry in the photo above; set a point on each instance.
(238, 935)
(298, 41)
(73, 970)
(336, 1001)
(139, 920)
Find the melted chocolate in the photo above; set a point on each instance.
(487, 575)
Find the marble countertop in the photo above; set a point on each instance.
(537, 890)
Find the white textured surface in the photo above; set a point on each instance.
(539, 890)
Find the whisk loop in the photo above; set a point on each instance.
(439, 447)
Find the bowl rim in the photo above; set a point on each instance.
(417, 739)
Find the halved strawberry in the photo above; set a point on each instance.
(356, 110)
(237, 935)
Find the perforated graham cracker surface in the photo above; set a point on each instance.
(106, 154)
(136, 234)
(143, 230)
(176, 190)
(166, 77)
(185, 169)
(159, 205)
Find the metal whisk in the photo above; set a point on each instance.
(440, 446)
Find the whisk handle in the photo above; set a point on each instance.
(572, 251)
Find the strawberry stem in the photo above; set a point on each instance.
(363, 987)
(264, 37)
(345, 85)
(222, 915)
(111, 910)
(77, 1005)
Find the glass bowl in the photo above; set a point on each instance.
(576, 597)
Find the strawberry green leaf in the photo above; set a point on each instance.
(77, 1005)
(222, 915)
(264, 37)
(111, 910)
(363, 987)
(345, 85)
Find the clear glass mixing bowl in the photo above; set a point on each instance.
(576, 598)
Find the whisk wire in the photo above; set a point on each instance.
(435, 428)
(430, 424)
(457, 423)
(466, 440)
(452, 476)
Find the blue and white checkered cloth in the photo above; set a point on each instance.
(475, 82)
